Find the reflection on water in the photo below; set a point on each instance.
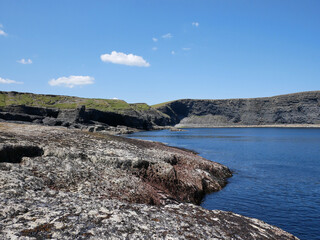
(276, 172)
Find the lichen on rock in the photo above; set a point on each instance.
(73, 184)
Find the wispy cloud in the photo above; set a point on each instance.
(173, 52)
(72, 81)
(25, 61)
(8, 81)
(155, 39)
(186, 49)
(195, 24)
(3, 33)
(154, 48)
(124, 59)
(167, 36)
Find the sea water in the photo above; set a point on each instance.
(276, 172)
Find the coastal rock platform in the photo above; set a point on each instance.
(58, 183)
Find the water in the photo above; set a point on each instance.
(276, 172)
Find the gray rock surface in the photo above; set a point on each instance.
(298, 108)
(58, 183)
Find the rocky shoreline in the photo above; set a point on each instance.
(58, 183)
(179, 126)
(292, 110)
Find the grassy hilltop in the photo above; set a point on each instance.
(67, 102)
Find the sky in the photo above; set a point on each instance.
(157, 51)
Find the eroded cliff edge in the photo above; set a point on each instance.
(284, 110)
(292, 110)
(76, 112)
(70, 184)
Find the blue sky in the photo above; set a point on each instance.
(155, 51)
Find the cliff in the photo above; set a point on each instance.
(285, 110)
(58, 183)
(297, 108)
(55, 110)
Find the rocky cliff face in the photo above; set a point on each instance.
(298, 108)
(68, 111)
(58, 183)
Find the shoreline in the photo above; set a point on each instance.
(57, 182)
(249, 126)
(166, 171)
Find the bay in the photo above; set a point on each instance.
(276, 172)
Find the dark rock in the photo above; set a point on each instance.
(141, 164)
(298, 108)
(11, 116)
(143, 119)
(72, 115)
(90, 129)
(99, 128)
(14, 153)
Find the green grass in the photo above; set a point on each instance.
(141, 106)
(66, 102)
(2, 100)
(161, 104)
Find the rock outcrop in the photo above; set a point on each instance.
(81, 117)
(293, 109)
(69, 111)
(298, 108)
(58, 183)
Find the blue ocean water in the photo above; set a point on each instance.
(276, 172)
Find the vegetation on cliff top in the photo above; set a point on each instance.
(161, 104)
(67, 102)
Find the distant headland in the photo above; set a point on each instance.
(291, 110)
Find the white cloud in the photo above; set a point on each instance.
(154, 48)
(173, 52)
(24, 61)
(8, 81)
(155, 39)
(71, 81)
(115, 98)
(125, 59)
(3, 33)
(186, 49)
(167, 36)
(196, 24)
